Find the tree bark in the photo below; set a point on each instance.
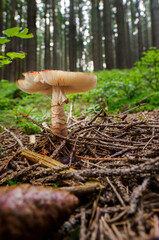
(10, 70)
(109, 56)
(55, 36)
(96, 34)
(99, 34)
(47, 63)
(31, 43)
(72, 38)
(1, 17)
(139, 26)
(155, 22)
(1, 29)
(121, 39)
(134, 41)
(128, 48)
(80, 36)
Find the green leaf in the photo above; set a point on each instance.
(2, 57)
(17, 32)
(13, 55)
(4, 62)
(11, 32)
(23, 34)
(4, 40)
(25, 31)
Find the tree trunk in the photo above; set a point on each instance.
(96, 34)
(155, 22)
(109, 56)
(10, 70)
(80, 36)
(134, 53)
(128, 48)
(1, 29)
(72, 38)
(139, 26)
(1, 17)
(121, 39)
(31, 43)
(100, 52)
(47, 63)
(55, 36)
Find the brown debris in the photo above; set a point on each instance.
(114, 171)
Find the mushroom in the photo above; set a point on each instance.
(57, 83)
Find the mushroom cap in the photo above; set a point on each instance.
(69, 82)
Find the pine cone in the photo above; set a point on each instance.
(29, 212)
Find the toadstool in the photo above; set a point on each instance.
(57, 83)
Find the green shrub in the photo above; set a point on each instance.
(149, 68)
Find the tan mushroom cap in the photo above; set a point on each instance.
(69, 82)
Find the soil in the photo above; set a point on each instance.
(111, 163)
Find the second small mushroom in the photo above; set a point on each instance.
(57, 84)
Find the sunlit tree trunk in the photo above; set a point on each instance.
(155, 22)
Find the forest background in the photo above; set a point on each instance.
(79, 35)
(113, 38)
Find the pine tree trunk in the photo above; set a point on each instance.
(128, 48)
(155, 22)
(139, 26)
(109, 56)
(55, 36)
(31, 43)
(80, 36)
(66, 39)
(96, 41)
(47, 63)
(72, 38)
(121, 41)
(1, 18)
(10, 70)
(99, 34)
(1, 29)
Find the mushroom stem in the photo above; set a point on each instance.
(58, 120)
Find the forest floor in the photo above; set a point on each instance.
(114, 171)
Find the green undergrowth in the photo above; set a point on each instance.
(116, 91)
(14, 103)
